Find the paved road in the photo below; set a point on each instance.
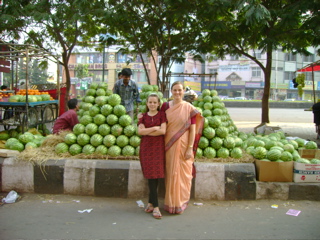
(57, 217)
(276, 115)
(294, 122)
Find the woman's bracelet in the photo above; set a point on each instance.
(190, 146)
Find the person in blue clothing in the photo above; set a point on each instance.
(128, 91)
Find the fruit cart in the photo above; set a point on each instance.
(27, 114)
(31, 111)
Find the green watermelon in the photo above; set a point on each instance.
(83, 139)
(109, 140)
(106, 109)
(209, 152)
(125, 120)
(94, 110)
(128, 151)
(223, 153)
(70, 138)
(88, 149)
(208, 132)
(274, 154)
(112, 119)
(135, 141)
(61, 148)
(79, 128)
(119, 110)
(236, 153)
(75, 149)
(222, 132)
(286, 156)
(85, 120)
(100, 92)
(114, 151)
(311, 145)
(104, 129)
(91, 129)
(229, 143)
(114, 99)
(216, 143)
(96, 140)
(129, 130)
(199, 153)
(203, 142)
(122, 141)
(101, 100)
(259, 152)
(99, 119)
(101, 149)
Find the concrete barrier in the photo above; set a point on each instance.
(124, 179)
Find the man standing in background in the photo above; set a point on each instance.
(128, 91)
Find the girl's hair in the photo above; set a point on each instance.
(153, 95)
(176, 83)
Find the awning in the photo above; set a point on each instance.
(315, 66)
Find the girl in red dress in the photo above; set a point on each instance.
(152, 127)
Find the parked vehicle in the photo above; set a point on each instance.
(240, 98)
(289, 100)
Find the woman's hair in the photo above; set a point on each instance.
(153, 95)
(176, 83)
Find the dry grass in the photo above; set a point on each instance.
(39, 156)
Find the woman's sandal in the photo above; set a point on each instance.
(156, 214)
(149, 208)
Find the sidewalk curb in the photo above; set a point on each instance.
(124, 179)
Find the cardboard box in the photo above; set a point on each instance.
(308, 173)
(274, 171)
(309, 153)
(263, 128)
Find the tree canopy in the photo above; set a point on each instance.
(263, 25)
(162, 28)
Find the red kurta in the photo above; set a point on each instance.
(152, 153)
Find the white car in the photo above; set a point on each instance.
(240, 98)
(289, 100)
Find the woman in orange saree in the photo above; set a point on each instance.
(183, 132)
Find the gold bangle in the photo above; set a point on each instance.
(190, 145)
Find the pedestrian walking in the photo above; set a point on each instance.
(152, 127)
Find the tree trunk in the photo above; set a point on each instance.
(266, 92)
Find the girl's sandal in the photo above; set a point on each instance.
(156, 214)
(149, 208)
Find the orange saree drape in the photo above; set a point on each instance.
(178, 169)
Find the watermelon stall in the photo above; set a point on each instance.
(26, 107)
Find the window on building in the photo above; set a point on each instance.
(309, 58)
(213, 70)
(256, 72)
(234, 57)
(308, 76)
(257, 54)
(290, 57)
(289, 75)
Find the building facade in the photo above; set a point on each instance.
(239, 76)
(233, 76)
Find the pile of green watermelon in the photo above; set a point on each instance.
(104, 127)
(220, 137)
(16, 140)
